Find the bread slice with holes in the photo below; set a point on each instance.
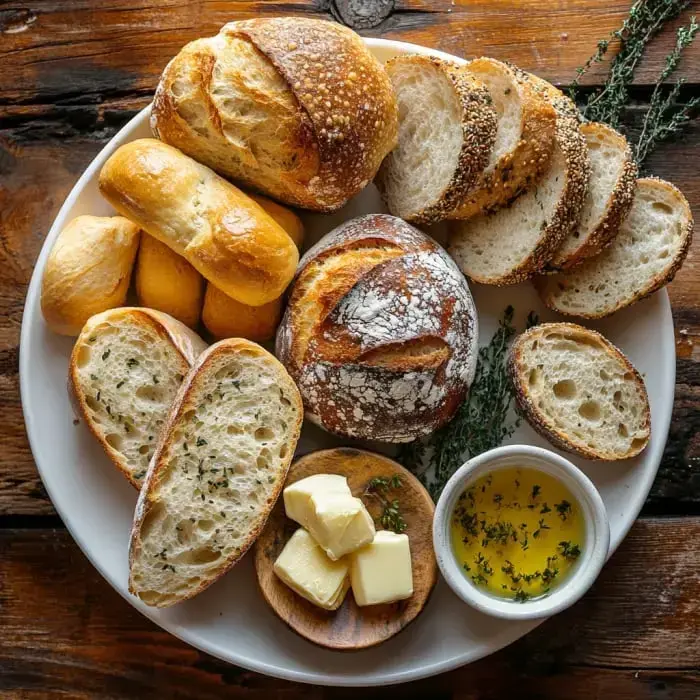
(447, 128)
(524, 138)
(650, 247)
(512, 244)
(580, 392)
(610, 194)
(218, 469)
(125, 370)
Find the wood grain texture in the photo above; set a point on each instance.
(351, 627)
(66, 633)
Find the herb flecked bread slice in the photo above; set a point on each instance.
(524, 138)
(650, 247)
(515, 242)
(580, 392)
(218, 469)
(125, 370)
(610, 194)
(447, 128)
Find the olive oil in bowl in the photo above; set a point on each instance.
(517, 532)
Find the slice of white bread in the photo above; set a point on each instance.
(218, 469)
(645, 255)
(125, 370)
(580, 392)
(524, 137)
(515, 242)
(447, 128)
(610, 193)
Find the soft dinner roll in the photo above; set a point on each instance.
(223, 233)
(380, 332)
(293, 107)
(88, 271)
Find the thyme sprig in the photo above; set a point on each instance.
(378, 488)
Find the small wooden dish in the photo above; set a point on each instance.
(351, 627)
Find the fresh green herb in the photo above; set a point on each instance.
(378, 488)
(479, 579)
(106, 354)
(563, 508)
(201, 441)
(521, 596)
(570, 551)
(536, 490)
(545, 509)
(132, 362)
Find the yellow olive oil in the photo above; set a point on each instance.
(517, 532)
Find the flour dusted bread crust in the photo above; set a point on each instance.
(230, 239)
(88, 270)
(648, 250)
(447, 128)
(296, 108)
(218, 469)
(380, 332)
(125, 370)
(580, 392)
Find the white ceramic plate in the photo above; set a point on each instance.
(230, 620)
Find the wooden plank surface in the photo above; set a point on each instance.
(85, 641)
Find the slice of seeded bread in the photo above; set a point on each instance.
(648, 250)
(609, 198)
(524, 138)
(218, 469)
(447, 128)
(125, 370)
(580, 392)
(515, 242)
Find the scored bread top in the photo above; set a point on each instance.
(580, 392)
(218, 469)
(295, 107)
(380, 332)
(447, 127)
(650, 247)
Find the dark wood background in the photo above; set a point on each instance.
(71, 74)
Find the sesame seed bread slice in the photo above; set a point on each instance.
(125, 370)
(524, 138)
(513, 243)
(447, 128)
(218, 469)
(650, 247)
(610, 194)
(580, 392)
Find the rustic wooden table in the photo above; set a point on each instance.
(71, 74)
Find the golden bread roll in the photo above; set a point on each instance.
(222, 232)
(166, 282)
(296, 108)
(88, 271)
(225, 317)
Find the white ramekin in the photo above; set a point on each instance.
(593, 554)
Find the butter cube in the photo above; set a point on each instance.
(337, 520)
(305, 568)
(381, 571)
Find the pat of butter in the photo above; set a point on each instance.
(305, 568)
(337, 520)
(381, 572)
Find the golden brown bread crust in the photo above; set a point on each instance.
(380, 332)
(87, 271)
(285, 217)
(516, 170)
(187, 343)
(538, 420)
(225, 317)
(325, 114)
(223, 233)
(165, 281)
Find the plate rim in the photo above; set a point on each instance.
(195, 639)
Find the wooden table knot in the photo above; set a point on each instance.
(361, 14)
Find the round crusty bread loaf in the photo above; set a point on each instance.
(296, 108)
(380, 333)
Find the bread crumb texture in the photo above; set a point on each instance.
(380, 332)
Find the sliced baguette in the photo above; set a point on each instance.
(218, 469)
(609, 199)
(580, 392)
(524, 137)
(509, 245)
(447, 128)
(645, 255)
(125, 370)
